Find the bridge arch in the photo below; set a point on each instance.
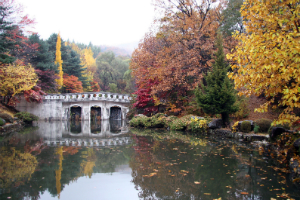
(95, 112)
(75, 112)
(115, 112)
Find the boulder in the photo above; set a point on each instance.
(297, 144)
(6, 117)
(276, 131)
(215, 123)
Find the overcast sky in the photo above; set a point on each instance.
(102, 22)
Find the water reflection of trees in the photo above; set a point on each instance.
(169, 169)
(52, 168)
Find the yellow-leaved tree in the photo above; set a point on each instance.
(16, 79)
(268, 55)
(59, 61)
(88, 63)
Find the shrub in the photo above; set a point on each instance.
(27, 117)
(256, 129)
(246, 126)
(264, 124)
(197, 125)
(138, 121)
(180, 124)
(242, 104)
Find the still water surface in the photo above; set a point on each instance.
(106, 161)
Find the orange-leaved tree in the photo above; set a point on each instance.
(180, 52)
(268, 55)
(71, 84)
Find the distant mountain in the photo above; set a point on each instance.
(122, 49)
(129, 46)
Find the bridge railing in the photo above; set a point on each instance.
(89, 96)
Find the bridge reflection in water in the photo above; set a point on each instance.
(101, 133)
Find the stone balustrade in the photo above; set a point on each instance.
(118, 141)
(89, 96)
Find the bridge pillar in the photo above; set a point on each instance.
(85, 112)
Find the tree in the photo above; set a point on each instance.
(58, 61)
(12, 25)
(72, 84)
(180, 51)
(113, 88)
(71, 60)
(47, 80)
(16, 79)
(267, 56)
(43, 58)
(231, 18)
(218, 96)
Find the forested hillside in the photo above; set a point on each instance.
(33, 66)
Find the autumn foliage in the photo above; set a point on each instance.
(72, 84)
(267, 56)
(59, 61)
(180, 52)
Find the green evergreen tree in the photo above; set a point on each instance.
(7, 43)
(42, 59)
(218, 96)
(71, 60)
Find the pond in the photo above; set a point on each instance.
(106, 160)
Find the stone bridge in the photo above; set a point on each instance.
(106, 133)
(79, 106)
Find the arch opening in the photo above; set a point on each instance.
(95, 113)
(75, 125)
(115, 113)
(75, 113)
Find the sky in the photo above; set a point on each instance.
(102, 22)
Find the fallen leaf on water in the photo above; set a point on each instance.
(184, 171)
(207, 194)
(247, 175)
(152, 174)
(197, 182)
(244, 193)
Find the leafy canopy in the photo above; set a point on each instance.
(267, 57)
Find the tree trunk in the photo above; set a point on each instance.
(225, 119)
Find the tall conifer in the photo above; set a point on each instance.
(59, 61)
(218, 96)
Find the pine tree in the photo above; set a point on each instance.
(59, 61)
(218, 96)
